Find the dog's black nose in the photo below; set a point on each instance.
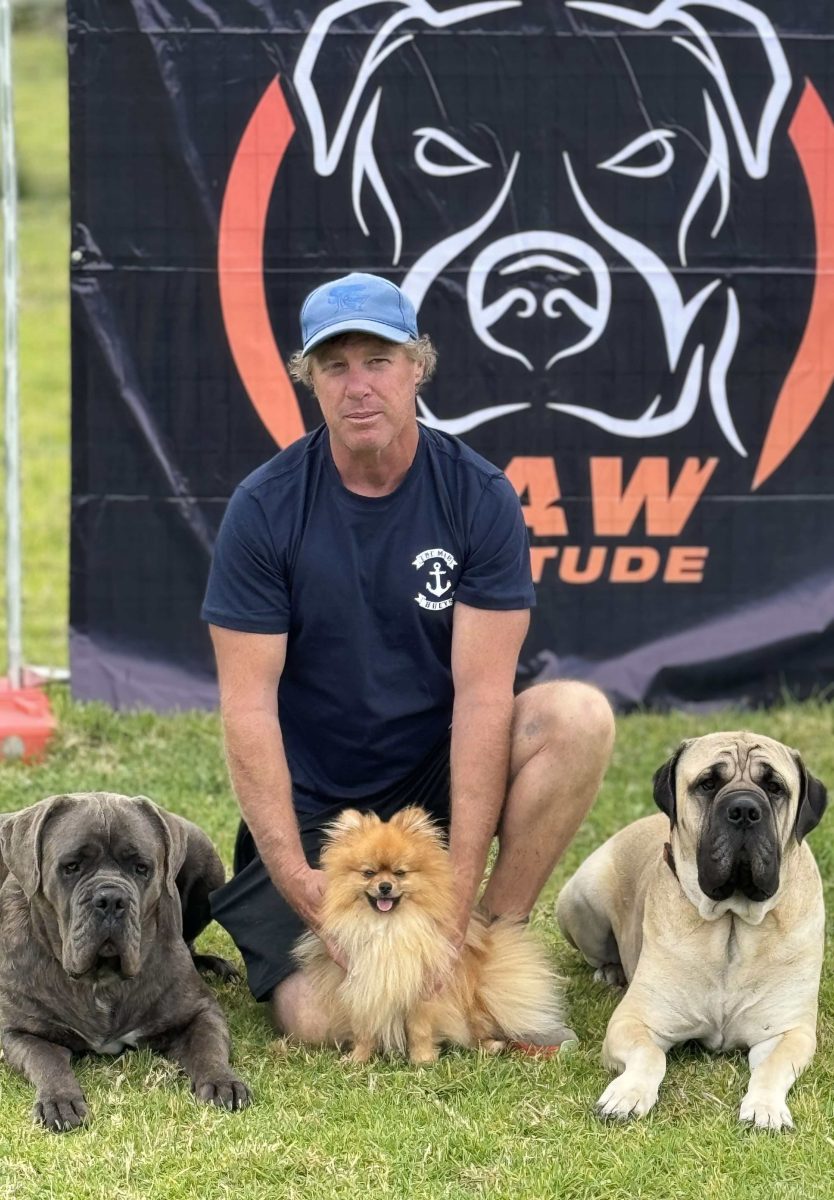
(109, 902)
(385, 889)
(744, 809)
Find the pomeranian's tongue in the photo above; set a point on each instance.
(384, 905)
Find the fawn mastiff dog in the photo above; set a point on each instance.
(100, 896)
(713, 917)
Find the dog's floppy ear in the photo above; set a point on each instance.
(175, 838)
(664, 784)
(813, 799)
(21, 841)
(416, 820)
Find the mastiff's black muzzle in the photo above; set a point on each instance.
(739, 848)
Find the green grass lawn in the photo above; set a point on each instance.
(468, 1126)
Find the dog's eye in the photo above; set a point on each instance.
(368, 873)
(399, 874)
(141, 868)
(458, 160)
(708, 784)
(773, 787)
(626, 161)
(70, 868)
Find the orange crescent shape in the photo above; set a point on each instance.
(240, 266)
(812, 371)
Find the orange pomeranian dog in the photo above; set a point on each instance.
(388, 906)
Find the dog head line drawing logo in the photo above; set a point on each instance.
(562, 280)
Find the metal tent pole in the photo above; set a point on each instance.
(10, 353)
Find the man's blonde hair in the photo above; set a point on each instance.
(419, 350)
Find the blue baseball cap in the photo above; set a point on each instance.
(357, 303)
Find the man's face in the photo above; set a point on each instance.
(366, 388)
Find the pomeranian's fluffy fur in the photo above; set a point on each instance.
(389, 905)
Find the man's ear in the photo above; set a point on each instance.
(664, 782)
(813, 798)
(21, 841)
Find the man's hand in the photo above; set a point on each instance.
(458, 932)
(304, 890)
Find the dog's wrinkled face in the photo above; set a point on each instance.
(101, 883)
(376, 866)
(738, 802)
(94, 868)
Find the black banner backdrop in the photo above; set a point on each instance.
(616, 221)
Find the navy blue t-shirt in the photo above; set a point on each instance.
(364, 588)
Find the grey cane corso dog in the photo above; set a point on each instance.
(100, 898)
(713, 915)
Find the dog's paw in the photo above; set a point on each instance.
(625, 1098)
(766, 1112)
(611, 974)
(423, 1053)
(226, 1091)
(60, 1113)
(492, 1045)
(359, 1055)
(213, 963)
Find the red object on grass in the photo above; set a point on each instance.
(26, 720)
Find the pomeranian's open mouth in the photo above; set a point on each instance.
(383, 903)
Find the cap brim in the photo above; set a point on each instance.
(387, 332)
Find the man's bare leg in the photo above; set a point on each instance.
(562, 737)
(295, 1012)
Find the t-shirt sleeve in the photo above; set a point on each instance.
(247, 587)
(496, 573)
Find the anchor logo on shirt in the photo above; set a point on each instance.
(436, 586)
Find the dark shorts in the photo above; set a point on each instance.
(262, 924)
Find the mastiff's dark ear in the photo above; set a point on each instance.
(21, 841)
(175, 837)
(813, 798)
(664, 785)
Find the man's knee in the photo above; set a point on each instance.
(563, 714)
(295, 1012)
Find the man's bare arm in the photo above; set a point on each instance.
(485, 650)
(249, 666)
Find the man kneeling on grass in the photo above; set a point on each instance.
(368, 599)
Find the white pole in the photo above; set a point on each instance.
(10, 353)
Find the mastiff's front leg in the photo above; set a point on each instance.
(201, 1048)
(635, 1050)
(59, 1101)
(774, 1065)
